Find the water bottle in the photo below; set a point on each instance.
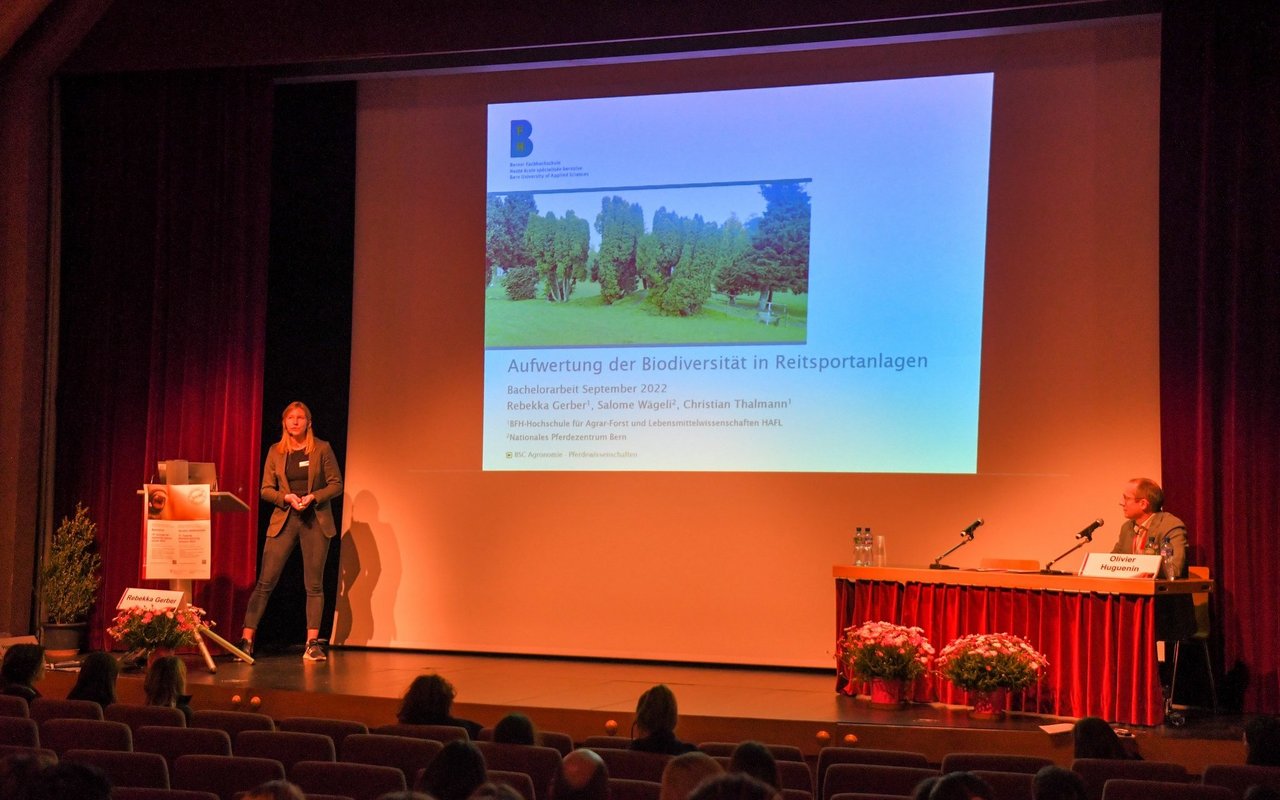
(1166, 560)
(857, 548)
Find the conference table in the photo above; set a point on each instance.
(1097, 633)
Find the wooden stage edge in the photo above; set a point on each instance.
(580, 697)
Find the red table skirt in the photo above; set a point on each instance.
(1101, 647)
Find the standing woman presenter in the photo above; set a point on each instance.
(299, 479)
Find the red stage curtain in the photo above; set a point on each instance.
(163, 300)
(1220, 330)
(1101, 650)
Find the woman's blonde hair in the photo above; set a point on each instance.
(286, 443)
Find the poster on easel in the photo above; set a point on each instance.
(176, 540)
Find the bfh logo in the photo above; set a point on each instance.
(521, 138)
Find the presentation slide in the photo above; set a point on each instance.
(781, 279)
(638, 343)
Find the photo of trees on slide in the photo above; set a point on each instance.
(592, 268)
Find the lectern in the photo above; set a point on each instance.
(180, 472)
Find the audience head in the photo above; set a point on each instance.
(97, 679)
(68, 779)
(488, 791)
(275, 790)
(1262, 741)
(924, 787)
(656, 711)
(19, 771)
(582, 776)
(961, 786)
(23, 665)
(754, 759)
(166, 681)
(455, 772)
(1094, 738)
(684, 772)
(733, 786)
(1058, 783)
(429, 697)
(1260, 791)
(515, 728)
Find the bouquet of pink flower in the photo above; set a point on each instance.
(983, 662)
(884, 650)
(149, 628)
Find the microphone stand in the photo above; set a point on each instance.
(1048, 568)
(937, 562)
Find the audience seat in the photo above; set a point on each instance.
(224, 775)
(439, 733)
(136, 716)
(287, 747)
(859, 755)
(781, 752)
(233, 722)
(796, 794)
(61, 735)
(144, 770)
(19, 731)
(43, 708)
(873, 779)
(562, 742)
(357, 781)
(539, 763)
(633, 764)
(627, 789)
(611, 742)
(1004, 785)
(140, 793)
(1097, 771)
(994, 762)
(1123, 789)
(864, 796)
(11, 706)
(17, 749)
(1239, 777)
(173, 742)
(520, 781)
(405, 753)
(335, 729)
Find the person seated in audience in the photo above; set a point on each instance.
(961, 786)
(97, 679)
(66, 780)
(1262, 741)
(275, 790)
(754, 759)
(1259, 791)
(429, 701)
(1094, 738)
(582, 776)
(733, 786)
(454, 773)
(487, 791)
(684, 772)
(924, 787)
(1058, 783)
(515, 728)
(166, 685)
(19, 770)
(655, 723)
(22, 669)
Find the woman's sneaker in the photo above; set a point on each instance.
(315, 651)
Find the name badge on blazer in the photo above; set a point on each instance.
(304, 463)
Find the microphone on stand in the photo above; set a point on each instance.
(1085, 536)
(1087, 533)
(967, 536)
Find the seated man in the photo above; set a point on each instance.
(1147, 527)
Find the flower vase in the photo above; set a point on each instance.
(988, 705)
(158, 653)
(887, 693)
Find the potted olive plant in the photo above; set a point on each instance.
(69, 584)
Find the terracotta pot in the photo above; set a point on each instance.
(988, 705)
(887, 693)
